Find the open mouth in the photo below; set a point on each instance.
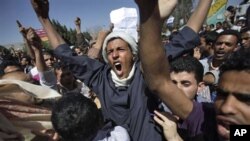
(118, 69)
(220, 54)
(118, 66)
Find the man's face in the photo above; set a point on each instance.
(186, 82)
(120, 57)
(233, 101)
(245, 36)
(218, 26)
(224, 46)
(24, 62)
(49, 60)
(78, 52)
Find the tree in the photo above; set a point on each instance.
(68, 34)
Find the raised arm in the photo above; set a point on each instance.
(41, 7)
(36, 46)
(199, 15)
(152, 54)
(23, 32)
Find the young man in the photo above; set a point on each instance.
(187, 73)
(232, 104)
(119, 84)
(77, 118)
(225, 44)
(245, 38)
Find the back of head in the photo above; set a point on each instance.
(238, 61)
(188, 64)
(76, 118)
(211, 37)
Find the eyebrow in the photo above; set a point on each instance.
(240, 96)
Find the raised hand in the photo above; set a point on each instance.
(156, 8)
(78, 21)
(22, 30)
(33, 39)
(41, 8)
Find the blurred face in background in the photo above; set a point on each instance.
(245, 39)
(224, 46)
(49, 60)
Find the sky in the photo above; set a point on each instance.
(93, 13)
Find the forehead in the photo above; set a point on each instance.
(117, 42)
(47, 56)
(231, 38)
(245, 34)
(77, 49)
(235, 82)
(182, 76)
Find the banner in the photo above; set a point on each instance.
(42, 34)
(216, 12)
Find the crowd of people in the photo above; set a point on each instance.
(191, 85)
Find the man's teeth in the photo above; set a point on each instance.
(117, 64)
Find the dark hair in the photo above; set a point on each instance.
(28, 59)
(211, 25)
(231, 9)
(76, 118)
(238, 61)
(211, 36)
(188, 64)
(230, 32)
(48, 52)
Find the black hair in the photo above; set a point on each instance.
(28, 59)
(211, 36)
(238, 61)
(188, 64)
(230, 32)
(76, 118)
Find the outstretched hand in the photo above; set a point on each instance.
(156, 8)
(78, 21)
(41, 8)
(22, 30)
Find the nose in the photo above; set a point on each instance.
(115, 54)
(222, 46)
(243, 41)
(228, 106)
